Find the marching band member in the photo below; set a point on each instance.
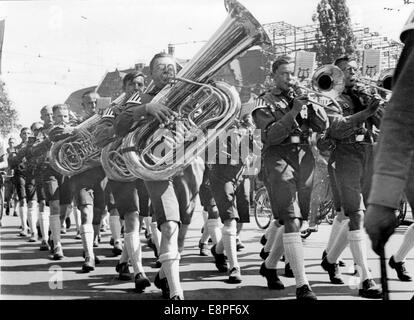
(288, 165)
(88, 186)
(229, 192)
(26, 191)
(352, 141)
(56, 187)
(173, 200)
(131, 198)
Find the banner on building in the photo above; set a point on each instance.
(371, 66)
(305, 63)
(2, 24)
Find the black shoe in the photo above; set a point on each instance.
(239, 245)
(288, 271)
(263, 240)
(399, 267)
(203, 249)
(58, 253)
(341, 263)
(111, 242)
(273, 281)
(123, 270)
(370, 290)
(235, 276)
(158, 264)
(333, 271)
(220, 260)
(88, 265)
(177, 297)
(305, 293)
(163, 285)
(263, 254)
(117, 249)
(141, 282)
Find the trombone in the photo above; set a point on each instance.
(327, 82)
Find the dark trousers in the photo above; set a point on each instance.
(288, 171)
(224, 180)
(351, 164)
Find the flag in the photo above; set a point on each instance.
(2, 24)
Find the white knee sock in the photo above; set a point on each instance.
(44, 218)
(147, 221)
(133, 246)
(270, 237)
(358, 250)
(213, 228)
(55, 228)
(292, 243)
(77, 215)
(340, 242)
(229, 243)
(87, 239)
(124, 257)
(156, 235)
(406, 245)
(276, 251)
(23, 217)
(32, 216)
(171, 268)
(269, 228)
(336, 225)
(115, 226)
(205, 235)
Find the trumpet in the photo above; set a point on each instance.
(327, 82)
(369, 82)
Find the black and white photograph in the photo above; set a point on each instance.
(221, 152)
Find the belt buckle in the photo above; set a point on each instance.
(295, 139)
(359, 138)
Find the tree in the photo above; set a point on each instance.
(334, 36)
(8, 115)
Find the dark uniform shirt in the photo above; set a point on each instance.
(345, 129)
(279, 127)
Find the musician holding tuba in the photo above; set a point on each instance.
(173, 200)
(88, 185)
(351, 132)
(287, 167)
(131, 197)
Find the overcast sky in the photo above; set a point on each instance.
(52, 48)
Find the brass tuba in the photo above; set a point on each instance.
(112, 159)
(77, 153)
(203, 110)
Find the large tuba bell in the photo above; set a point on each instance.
(77, 153)
(203, 110)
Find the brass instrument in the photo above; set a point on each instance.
(203, 110)
(77, 153)
(112, 159)
(327, 82)
(370, 83)
(385, 78)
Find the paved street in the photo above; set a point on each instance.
(27, 273)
